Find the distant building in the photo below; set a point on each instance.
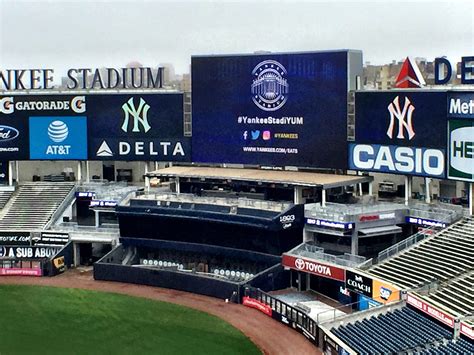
(383, 77)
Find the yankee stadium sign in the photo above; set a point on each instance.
(83, 78)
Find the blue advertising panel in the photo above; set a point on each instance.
(15, 113)
(137, 127)
(271, 109)
(461, 104)
(58, 138)
(400, 132)
(366, 303)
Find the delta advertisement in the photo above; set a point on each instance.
(93, 126)
(461, 136)
(273, 109)
(400, 132)
(137, 127)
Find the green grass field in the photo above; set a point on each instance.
(47, 320)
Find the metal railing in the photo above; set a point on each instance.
(61, 208)
(221, 201)
(317, 253)
(74, 227)
(404, 244)
(289, 315)
(347, 213)
(442, 212)
(109, 191)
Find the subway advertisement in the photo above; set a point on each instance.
(273, 109)
(400, 132)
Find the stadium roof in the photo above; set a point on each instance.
(292, 178)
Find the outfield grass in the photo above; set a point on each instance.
(47, 320)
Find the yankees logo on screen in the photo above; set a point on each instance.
(404, 118)
(139, 115)
(269, 87)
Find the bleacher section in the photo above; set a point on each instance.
(442, 257)
(452, 347)
(401, 330)
(4, 197)
(33, 205)
(455, 297)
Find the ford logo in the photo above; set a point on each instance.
(8, 133)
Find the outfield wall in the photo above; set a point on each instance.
(110, 268)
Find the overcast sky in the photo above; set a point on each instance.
(75, 34)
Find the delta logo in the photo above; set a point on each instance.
(409, 76)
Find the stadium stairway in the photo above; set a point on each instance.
(442, 257)
(4, 198)
(33, 205)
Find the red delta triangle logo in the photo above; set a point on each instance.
(409, 76)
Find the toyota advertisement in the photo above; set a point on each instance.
(400, 132)
(313, 267)
(273, 109)
(137, 127)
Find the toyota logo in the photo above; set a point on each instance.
(299, 263)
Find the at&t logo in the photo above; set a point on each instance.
(58, 132)
(404, 117)
(269, 87)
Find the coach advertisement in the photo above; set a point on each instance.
(137, 127)
(41, 124)
(273, 109)
(358, 283)
(400, 132)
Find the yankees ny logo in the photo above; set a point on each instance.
(403, 116)
(139, 115)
